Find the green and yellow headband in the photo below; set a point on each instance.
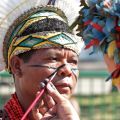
(42, 40)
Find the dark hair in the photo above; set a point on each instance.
(26, 55)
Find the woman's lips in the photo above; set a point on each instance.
(63, 88)
(63, 85)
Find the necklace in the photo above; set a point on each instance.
(14, 109)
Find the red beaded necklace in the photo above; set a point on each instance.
(14, 109)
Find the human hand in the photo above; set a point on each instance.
(55, 107)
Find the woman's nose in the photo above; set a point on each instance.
(65, 71)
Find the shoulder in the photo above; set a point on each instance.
(3, 115)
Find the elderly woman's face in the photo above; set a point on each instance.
(33, 74)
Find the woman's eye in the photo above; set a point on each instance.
(74, 62)
(53, 58)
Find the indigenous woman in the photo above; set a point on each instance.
(38, 47)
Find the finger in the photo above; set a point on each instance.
(49, 100)
(50, 114)
(51, 118)
(43, 110)
(52, 110)
(39, 102)
(54, 93)
(41, 106)
(36, 114)
(48, 117)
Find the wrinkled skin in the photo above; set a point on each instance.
(28, 79)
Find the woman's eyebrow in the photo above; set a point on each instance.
(55, 53)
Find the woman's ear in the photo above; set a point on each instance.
(15, 65)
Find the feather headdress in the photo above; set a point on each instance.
(10, 10)
(99, 26)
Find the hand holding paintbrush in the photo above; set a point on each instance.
(50, 78)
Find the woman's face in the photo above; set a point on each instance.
(33, 74)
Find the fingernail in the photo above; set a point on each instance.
(50, 87)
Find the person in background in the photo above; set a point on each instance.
(38, 47)
(99, 26)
